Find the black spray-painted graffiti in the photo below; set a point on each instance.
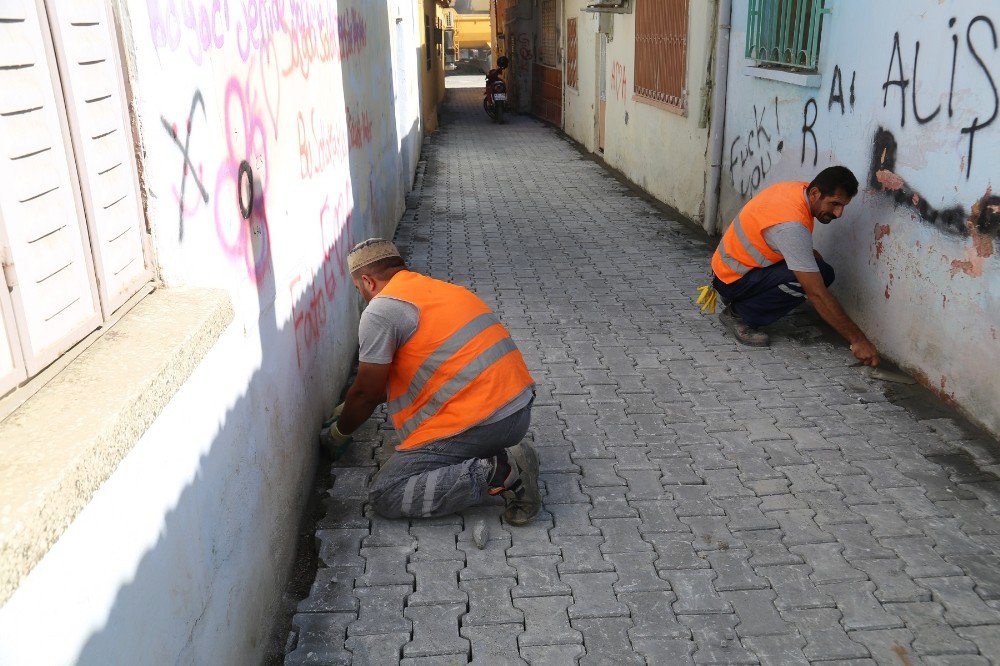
(810, 110)
(837, 90)
(902, 82)
(755, 150)
(185, 148)
(882, 177)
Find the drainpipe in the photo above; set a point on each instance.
(716, 131)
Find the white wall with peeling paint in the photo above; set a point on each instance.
(924, 287)
(183, 554)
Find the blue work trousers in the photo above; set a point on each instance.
(765, 295)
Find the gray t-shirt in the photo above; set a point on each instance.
(388, 323)
(795, 244)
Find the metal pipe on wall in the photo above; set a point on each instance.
(717, 129)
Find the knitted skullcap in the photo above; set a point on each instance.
(369, 251)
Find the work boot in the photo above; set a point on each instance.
(744, 333)
(520, 485)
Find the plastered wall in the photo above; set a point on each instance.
(274, 134)
(907, 98)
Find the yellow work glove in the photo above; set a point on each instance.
(334, 441)
(707, 298)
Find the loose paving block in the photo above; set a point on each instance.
(320, 639)
(593, 596)
(932, 635)
(716, 640)
(581, 554)
(435, 631)
(783, 650)
(734, 572)
(437, 583)
(546, 622)
(859, 608)
(537, 577)
(607, 642)
(381, 611)
(494, 645)
(696, 593)
(962, 606)
(757, 613)
(340, 548)
(332, 591)
(377, 648)
(636, 572)
(825, 638)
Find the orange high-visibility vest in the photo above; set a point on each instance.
(459, 367)
(743, 247)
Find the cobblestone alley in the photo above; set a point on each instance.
(703, 502)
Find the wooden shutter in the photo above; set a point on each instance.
(548, 35)
(42, 226)
(572, 54)
(661, 28)
(86, 47)
(12, 370)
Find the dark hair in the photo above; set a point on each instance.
(832, 179)
(380, 269)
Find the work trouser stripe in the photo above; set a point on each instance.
(429, 489)
(407, 505)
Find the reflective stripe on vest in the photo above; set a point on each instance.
(458, 339)
(463, 378)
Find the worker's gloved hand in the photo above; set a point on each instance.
(334, 441)
(332, 418)
(865, 352)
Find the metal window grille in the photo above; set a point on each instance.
(661, 28)
(548, 35)
(785, 33)
(572, 54)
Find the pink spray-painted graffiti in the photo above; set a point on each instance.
(241, 184)
(310, 315)
(619, 81)
(323, 143)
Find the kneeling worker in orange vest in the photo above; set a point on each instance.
(765, 264)
(457, 388)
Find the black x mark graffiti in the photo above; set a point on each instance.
(185, 148)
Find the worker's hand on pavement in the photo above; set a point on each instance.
(865, 352)
(333, 440)
(332, 418)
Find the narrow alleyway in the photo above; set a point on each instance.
(704, 502)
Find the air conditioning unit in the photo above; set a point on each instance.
(610, 6)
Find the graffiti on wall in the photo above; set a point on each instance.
(619, 81)
(753, 154)
(188, 169)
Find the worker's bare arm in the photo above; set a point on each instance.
(831, 311)
(366, 393)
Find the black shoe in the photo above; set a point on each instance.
(744, 333)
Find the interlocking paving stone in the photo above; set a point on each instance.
(320, 639)
(703, 501)
(435, 631)
(494, 645)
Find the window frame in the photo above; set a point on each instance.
(665, 101)
(783, 37)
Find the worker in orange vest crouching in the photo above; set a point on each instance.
(457, 389)
(765, 264)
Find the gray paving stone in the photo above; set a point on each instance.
(921, 559)
(676, 551)
(607, 642)
(799, 527)
(572, 520)
(593, 596)
(757, 613)
(794, 587)
(828, 563)
(825, 638)
(340, 548)
(891, 583)
(659, 516)
(494, 645)
(487, 562)
(734, 572)
(982, 568)
(320, 639)
(933, 636)
(582, 554)
(859, 607)
(610, 502)
(716, 640)
(381, 611)
(386, 566)
(537, 577)
(696, 593)
(711, 533)
(745, 515)
(888, 646)
(386, 532)
(986, 638)
(437, 583)
(377, 648)
(858, 542)
(490, 602)
(342, 513)
(546, 622)
(962, 606)
(332, 591)
(885, 521)
(562, 489)
(621, 535)
(956, 660)
(777, 650)
(653, 615)
(435, 631)
(642, 484)
(533, 538)
(546, 655)
(636, 572)
(436, 542)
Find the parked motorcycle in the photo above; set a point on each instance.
(495, 94)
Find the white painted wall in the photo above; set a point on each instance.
(664, 153)
(926, 295)
(183, 553)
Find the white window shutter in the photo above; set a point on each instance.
(86, 46)
(12, 370)
(42, 229)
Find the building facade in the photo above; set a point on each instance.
(184, 181)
